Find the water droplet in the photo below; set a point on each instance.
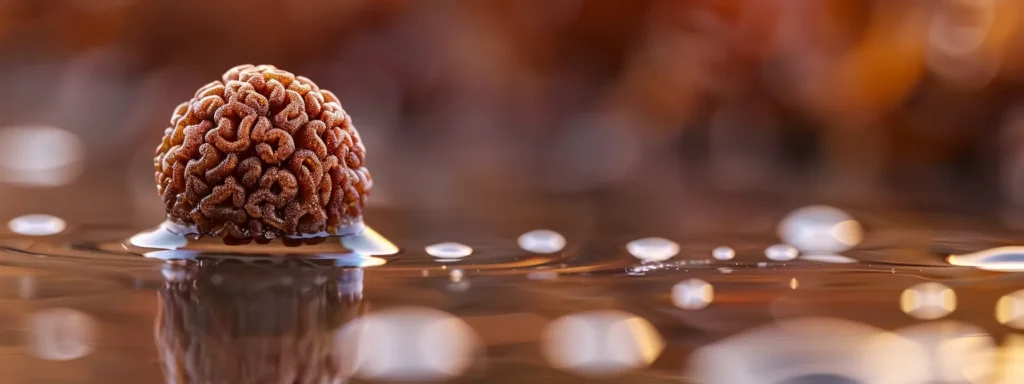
(781, 252)
(37, 225)
(1004, 259)
(928, 301)
(723, 253)
(692, 294)
(794, 283)
(449, 250)
(1010, 309)
(725, 270)
(820, 228)
(653, 249)
(541, 241)
(410, 343)
(601, 343)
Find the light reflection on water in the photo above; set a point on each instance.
(928, 301)
(541, 241)
(61, 334)
(601, 343)
(665, 310)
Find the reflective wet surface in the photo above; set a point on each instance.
(541, 298)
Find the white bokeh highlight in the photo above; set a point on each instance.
(601, 343)
(410, 343)
(820, 228)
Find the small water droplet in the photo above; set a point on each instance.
(928, 301)
(725, 270)
(449, 250)
(692, 294)
(781, 252)
(794, 283)
(820, 228)
(541, 241)
(424, 273)
(762, 264)
(37, 225)
(653, 249)
(601, 343)
(723, 253)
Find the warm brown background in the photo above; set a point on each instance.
(477, 102)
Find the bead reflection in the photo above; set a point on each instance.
(449, 250)
(37, 225)
(61, 334)
(723, 253)
(781, 252)
(541, 241)
(692, 294)
(411, 343)
(229, 322)
(820, 228)
(928, 301)
(601, 343)
(653, 249)
(956, 352)
(1010, 310)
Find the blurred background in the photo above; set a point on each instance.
(485, 103)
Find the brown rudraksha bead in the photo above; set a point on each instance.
(262, 153)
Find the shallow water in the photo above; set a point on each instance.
(533, 298)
